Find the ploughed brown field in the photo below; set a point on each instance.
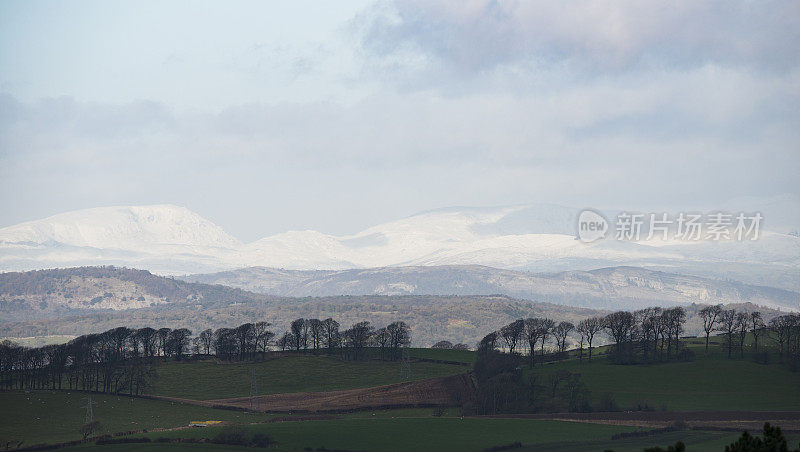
(444, 391)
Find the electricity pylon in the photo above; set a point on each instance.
(89, 413)
(405, 365)
(254, 402)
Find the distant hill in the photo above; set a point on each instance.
(432, 318)
(56, 293)
(605, 288)
(172, 240)
(83, 300)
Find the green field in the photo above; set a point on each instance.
(299, 373)
(456, 356)
(53, 416)
(403, 434)
(450, 435)
(713, 383)
(460, 356)
(171, 447)
(695, 440)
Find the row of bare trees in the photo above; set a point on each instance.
(118, 360)
(646, 335)
(123, 359)
(317, 335)
(782, 331)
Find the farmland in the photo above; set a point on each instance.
(454, 434)
(713, 384)
(55, 416)
(447, 434)
(292, 373)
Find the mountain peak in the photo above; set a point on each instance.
(120, 227)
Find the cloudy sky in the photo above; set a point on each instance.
(268, 116)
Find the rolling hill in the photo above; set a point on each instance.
(605, 288)
(71, 302)
(42, 294)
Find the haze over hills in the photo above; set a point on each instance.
(606, 288)
(538, 237)
(77, 301)
(57, 293)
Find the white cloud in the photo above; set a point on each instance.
(436, 103)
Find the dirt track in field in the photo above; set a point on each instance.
(445, 391)
(734, 420)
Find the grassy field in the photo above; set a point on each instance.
(714, 383)
(171, 447)
(460, 356)
(451, 435)
(695, 440)
(210, 380)
(43, 416)
(403, 434)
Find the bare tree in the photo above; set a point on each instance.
(399, 336)
(263, 336)
(489, 342)
(358, 337)
(147, 339)
(317, 330)
(789, 333)
(560, 332)
(649, 320)
(286, 341)
(676, 317)
(382, 338)
(532, 333)
(205, 339)
(225, 343)
(162, 335)
(742, 322)
(178, 342)
(546, 329)
(620, 326)
(728, 325)
(589, 328)
(512, 333)
(331, 331)
(297, 327)
(709, 314)
(306, 329)
(246, 338)
(757, 327)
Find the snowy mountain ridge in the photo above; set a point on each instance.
(538, 237)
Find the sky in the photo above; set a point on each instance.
(272, 116)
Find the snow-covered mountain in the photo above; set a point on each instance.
(135, 228)
(163, 237)
(537, 237)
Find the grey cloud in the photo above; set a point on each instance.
(592, 37)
